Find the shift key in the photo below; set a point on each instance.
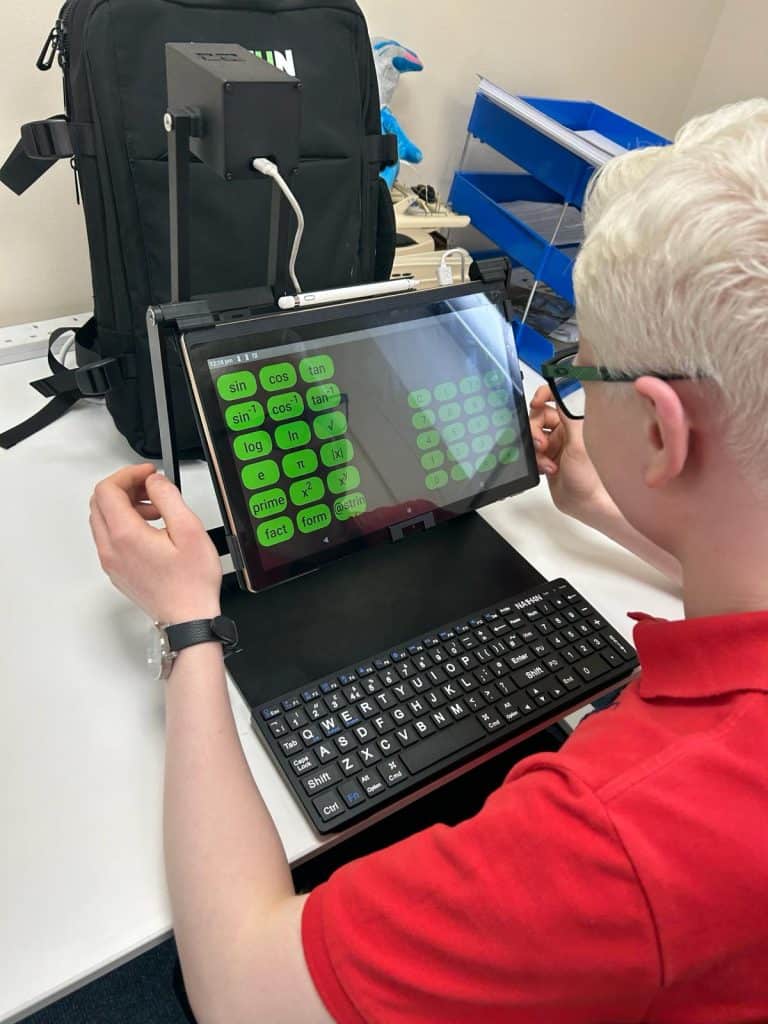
(321, 779)
(442, 744)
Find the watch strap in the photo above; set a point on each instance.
(203, 631)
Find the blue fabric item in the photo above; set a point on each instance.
(406, 149)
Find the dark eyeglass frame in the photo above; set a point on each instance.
(553, 372)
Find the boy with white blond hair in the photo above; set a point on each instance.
(624, 878)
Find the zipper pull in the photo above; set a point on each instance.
(73, 165)
(48, 52)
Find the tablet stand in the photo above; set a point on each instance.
(317, 623)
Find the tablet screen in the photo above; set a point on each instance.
(367, 431)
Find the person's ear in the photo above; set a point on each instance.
(667, 431)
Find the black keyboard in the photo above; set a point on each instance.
(367, 735)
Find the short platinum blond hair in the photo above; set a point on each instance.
(673, 274)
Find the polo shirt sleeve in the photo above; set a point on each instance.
(529, 912)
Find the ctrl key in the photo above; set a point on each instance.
(328, 805)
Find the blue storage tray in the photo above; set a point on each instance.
(545, 159)
(480, 196)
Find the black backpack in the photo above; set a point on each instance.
(112, 53)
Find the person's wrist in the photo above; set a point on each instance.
(177, 613)
(599, 512)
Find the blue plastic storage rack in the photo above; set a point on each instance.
(553, 174)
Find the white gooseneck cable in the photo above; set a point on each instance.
(268, 168)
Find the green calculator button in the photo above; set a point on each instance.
(292, 435)
(474, 405)
(419, 399)
(502, 417)
(429, 439)
(486, 464)
(299, 463)
(498, 399)
(278, 376)
(323, 396)
(494, 378)
(285, 407)
(454, 432)
(349, 506)
(336, 453)
(244, 416)
(260, 474)
(316, 368)
(462, 471)
(432, 460)
(304, 492)
(506, 437)
(423, 420)
(276, 531)
(436, 480)
(509, 455)
(449, 412)
(253, 446)
(445, 392)
(332, 424)
(483, 443)
(236, 385)
(458, 451)
(268, 503)
(478, 424)
(316, 518)
(342, 480)
(470, 385)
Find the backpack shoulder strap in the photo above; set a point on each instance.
(42, 144)
(65, 387)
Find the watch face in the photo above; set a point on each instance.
(158, 655)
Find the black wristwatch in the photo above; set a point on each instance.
(167, 641)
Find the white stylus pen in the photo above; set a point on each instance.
(360, 291)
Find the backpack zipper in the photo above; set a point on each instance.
(50, 49)
(55, 46)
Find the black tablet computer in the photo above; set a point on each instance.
(329, 430)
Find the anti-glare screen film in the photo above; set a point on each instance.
(350, 434)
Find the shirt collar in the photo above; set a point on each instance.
(703, 657)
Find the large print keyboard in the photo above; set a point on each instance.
(374, 731)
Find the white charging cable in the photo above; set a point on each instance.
(445, 273)
(268, 168)
(66, 349)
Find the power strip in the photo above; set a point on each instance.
(30, 341)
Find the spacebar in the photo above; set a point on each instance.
(442, 744)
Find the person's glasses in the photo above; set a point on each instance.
(565, 380)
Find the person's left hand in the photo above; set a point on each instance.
(173, 574)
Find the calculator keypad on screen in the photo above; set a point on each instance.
(289, 437)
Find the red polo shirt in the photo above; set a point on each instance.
(623, 879)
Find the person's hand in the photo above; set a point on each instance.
(173, 574)
(575, 487)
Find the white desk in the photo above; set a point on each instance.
(81, 728)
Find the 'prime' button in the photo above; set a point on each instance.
(268, 503)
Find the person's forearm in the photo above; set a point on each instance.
(608, 520)
(225, 864)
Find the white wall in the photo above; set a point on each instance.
(640, 57)
(735, 66)
(44, 269)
